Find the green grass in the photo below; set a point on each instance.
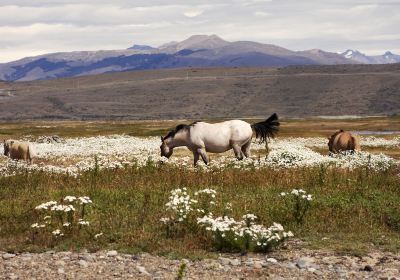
(356, 210)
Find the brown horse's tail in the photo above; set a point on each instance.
(356, 146)
(30, 153)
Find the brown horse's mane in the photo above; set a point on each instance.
(336, 133)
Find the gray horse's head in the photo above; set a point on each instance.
(167, 142)
(166, 151)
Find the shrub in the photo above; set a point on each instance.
(243, 235)
(62, 219)
(298, 203)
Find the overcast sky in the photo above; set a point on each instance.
(32, 27)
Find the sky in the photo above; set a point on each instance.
(33, 27)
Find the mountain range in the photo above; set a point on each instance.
(386, 58)
(197, 51)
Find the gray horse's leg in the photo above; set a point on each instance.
(203, 155)
(246, 149)
(196, 157)
(238, 151)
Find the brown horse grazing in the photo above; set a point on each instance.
(343, 141)
(18, 150)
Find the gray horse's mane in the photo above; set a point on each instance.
(178, 128)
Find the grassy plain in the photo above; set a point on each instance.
(352, 211)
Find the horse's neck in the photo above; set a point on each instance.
(180, 139)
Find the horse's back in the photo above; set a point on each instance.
(240, 130)
(345, 141)
(219, 137)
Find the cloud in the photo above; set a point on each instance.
(261, 14)
(193, 13)
(40, 26)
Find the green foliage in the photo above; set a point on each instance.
(353, 208)
(181, 271)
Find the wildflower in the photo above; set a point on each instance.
(66, 224)
(46, 205)
(250, 217)
(36, 225)
(84, 200)
(98, 235)
(57, 232)
(70, 198)
(165, 220)
(82, 222)
(62, 208)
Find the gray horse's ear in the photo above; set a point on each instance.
(162, 138)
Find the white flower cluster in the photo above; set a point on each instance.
(57, 232)
(46, 205)
(63, 212)
(165, 220)
(63, 208)
(70, 198)
(229, 228)
(84, 200)
(249, 217)
(36, 225)
(372, 141)
(83, 223)
(180, 203)
(378, 162)
(220, 224)
(207, 191)
(298, 193)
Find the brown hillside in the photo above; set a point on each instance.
(302, 91)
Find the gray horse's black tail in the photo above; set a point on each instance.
(267, 129)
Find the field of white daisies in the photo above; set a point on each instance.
(77, 155)
(117, 192)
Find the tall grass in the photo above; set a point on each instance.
(353, 209)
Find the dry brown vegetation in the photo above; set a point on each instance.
(289, 127)
(208, 93)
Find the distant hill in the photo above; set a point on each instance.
(141, 48)
(196, 51)
(207, 93)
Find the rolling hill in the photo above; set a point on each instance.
(207, 93)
